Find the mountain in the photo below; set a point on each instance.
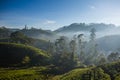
(39, 34)
(4, 32)
(109, 43)
(76, 27)
(33, 33)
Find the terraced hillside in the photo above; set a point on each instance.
(12, 54)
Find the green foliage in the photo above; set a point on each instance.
(117, 77)
(98, 73)
(112, 69)
(13, 54)
(61, 57)
(45, 73)
(38, 43)
(77, 74)
(26, 59)
(34, 73)
(103, 72)
(42, 44)
(63, 62)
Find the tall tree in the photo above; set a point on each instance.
(81, 47)
(62, 58)
(91, 57)
(60, 45)
(72, 48)
(92, 34)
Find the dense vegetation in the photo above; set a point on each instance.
(103, 72)
(13, 54)
(19, 37)
(112, 69)
(34, 73)
(22, 56)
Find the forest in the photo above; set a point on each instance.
(75, 52)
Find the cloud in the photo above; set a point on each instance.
(92, 7)
(49, 22)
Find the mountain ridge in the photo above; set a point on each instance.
(84, 27)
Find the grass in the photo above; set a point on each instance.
(37, 73)
(104, 72)
(77, 74)
(34, 73)
(26, 47)
(72, 75)
(109, 71)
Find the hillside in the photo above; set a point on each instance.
(13, 54)
(39, 34)
(109, 43)
(33, 33)
(38, 43)
(109, 71)
(33, 73)
(113, 69)
(4, 32)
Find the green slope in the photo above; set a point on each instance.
(78, 74)
(33, 73)
(113, 69)
(109, 71)
(37, 73)
(12, 54)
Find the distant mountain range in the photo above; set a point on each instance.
(76, 27)
(107, 35)
(33, 33)
(102, 29)
(38, 33)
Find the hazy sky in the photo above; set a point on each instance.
(52, 14)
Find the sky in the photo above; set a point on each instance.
(53, 14)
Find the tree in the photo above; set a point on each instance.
(62, 58)
(101, 59)
(61, 45)
(59, 49)
(72, 48)
(81, 47)
(113, 57)
(93, 53)
(92, 35)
